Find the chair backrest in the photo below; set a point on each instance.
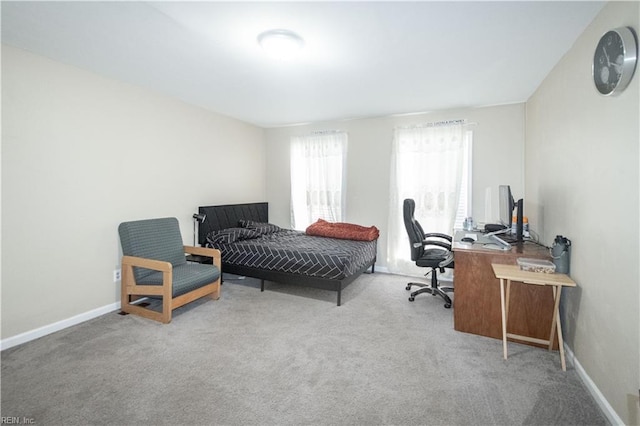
(157, 239)
(414, 230)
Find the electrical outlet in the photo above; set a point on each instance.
(116, 275)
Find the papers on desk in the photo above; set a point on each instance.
(476, 239)
(492, 246)
(497, 243)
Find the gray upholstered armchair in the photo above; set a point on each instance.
(154, 265)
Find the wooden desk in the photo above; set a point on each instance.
(511, 273)
(476, 301)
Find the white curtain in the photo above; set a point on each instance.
(426, 165)
(318, 178)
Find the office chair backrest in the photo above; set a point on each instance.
(414, 230)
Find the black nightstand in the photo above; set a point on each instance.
(199, 259)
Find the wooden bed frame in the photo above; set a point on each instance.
(227, 216)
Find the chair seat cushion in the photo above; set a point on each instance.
(186, 277)
(432, 258)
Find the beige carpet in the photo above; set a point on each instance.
(290, 356)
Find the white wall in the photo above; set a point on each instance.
(582, 181)
(82, 153)
(498, 156)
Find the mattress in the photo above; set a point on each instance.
(294, 252)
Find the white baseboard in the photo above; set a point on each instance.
(28, 336)
(604, 405)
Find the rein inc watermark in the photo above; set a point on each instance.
(17, 420)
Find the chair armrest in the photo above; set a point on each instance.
(447, 261)
(141, 262)
(442, 244)
(205, 251)
(134, 289)
(438, 235)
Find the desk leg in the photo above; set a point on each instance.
(504, 316)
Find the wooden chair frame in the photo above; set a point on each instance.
(131, 291)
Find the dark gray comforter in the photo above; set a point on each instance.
(293, 252)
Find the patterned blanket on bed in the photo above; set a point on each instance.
(266, 246)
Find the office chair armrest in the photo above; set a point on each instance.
(447, 261)
(438, 235)
(428, 242)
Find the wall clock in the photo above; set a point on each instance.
(614, 61)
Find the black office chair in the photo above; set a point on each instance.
(432, 250)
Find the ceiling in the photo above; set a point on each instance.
(361, 59)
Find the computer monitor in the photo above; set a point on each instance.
(507, 204)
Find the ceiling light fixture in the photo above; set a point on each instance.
(280, 43)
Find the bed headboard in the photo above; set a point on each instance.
(228, 215)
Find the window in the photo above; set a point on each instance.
(464, 203)
(432, 165)
(318, 178)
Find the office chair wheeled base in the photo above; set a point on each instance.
(432, 289)
(440, 291)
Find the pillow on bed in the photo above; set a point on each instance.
(231, 235)
(261, 227)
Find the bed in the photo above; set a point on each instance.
(252, 247)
